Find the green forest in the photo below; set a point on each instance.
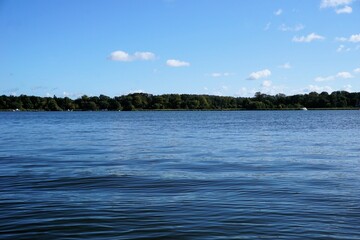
(144, 101)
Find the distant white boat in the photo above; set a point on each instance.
(304, 109)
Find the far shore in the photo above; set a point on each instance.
(181, 110)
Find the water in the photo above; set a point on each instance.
(180, 175)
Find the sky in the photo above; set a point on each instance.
(217, 47)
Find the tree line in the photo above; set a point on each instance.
(144, 101)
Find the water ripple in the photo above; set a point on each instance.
(180, 175)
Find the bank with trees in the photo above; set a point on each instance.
(145, 101)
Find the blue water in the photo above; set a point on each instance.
(180, 175)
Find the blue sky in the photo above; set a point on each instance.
(227, 47)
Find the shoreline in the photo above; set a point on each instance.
(185, 110)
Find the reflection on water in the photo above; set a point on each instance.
(180, 175)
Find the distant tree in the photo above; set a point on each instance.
(15, 103)
(174, 101)
(104, 105)
(256, 105)
(3, 104)
(51, 105)
(203, 102)
(91, 106)
(158, 102)
(68, 104)
(193, 104)
(114, 105)
(26, 102)
(136, 101)
(127, 103)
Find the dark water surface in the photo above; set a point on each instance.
(180, 175)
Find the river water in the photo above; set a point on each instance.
(180, 175)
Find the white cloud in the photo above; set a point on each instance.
(324, 79)
(355, 38)
(267, 87)
(339, 6)
(267, 27)
(341, 39)
(344, 75)
(120, 56)
(295, 28)
(138, 91)
(259, 74)
(72, 95)
(339, 75)
(278, 12)
(177, 63)
(218, 74)
(266, 83)
(345, 9)
(126, 57)
(309, 38)
(347, 88)
(357, 70)
(285, 66)
(133, 91)
(245, 92)
(221, 90)
(319, 89)
(342, 48)
(144, 56)
(334, 3)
